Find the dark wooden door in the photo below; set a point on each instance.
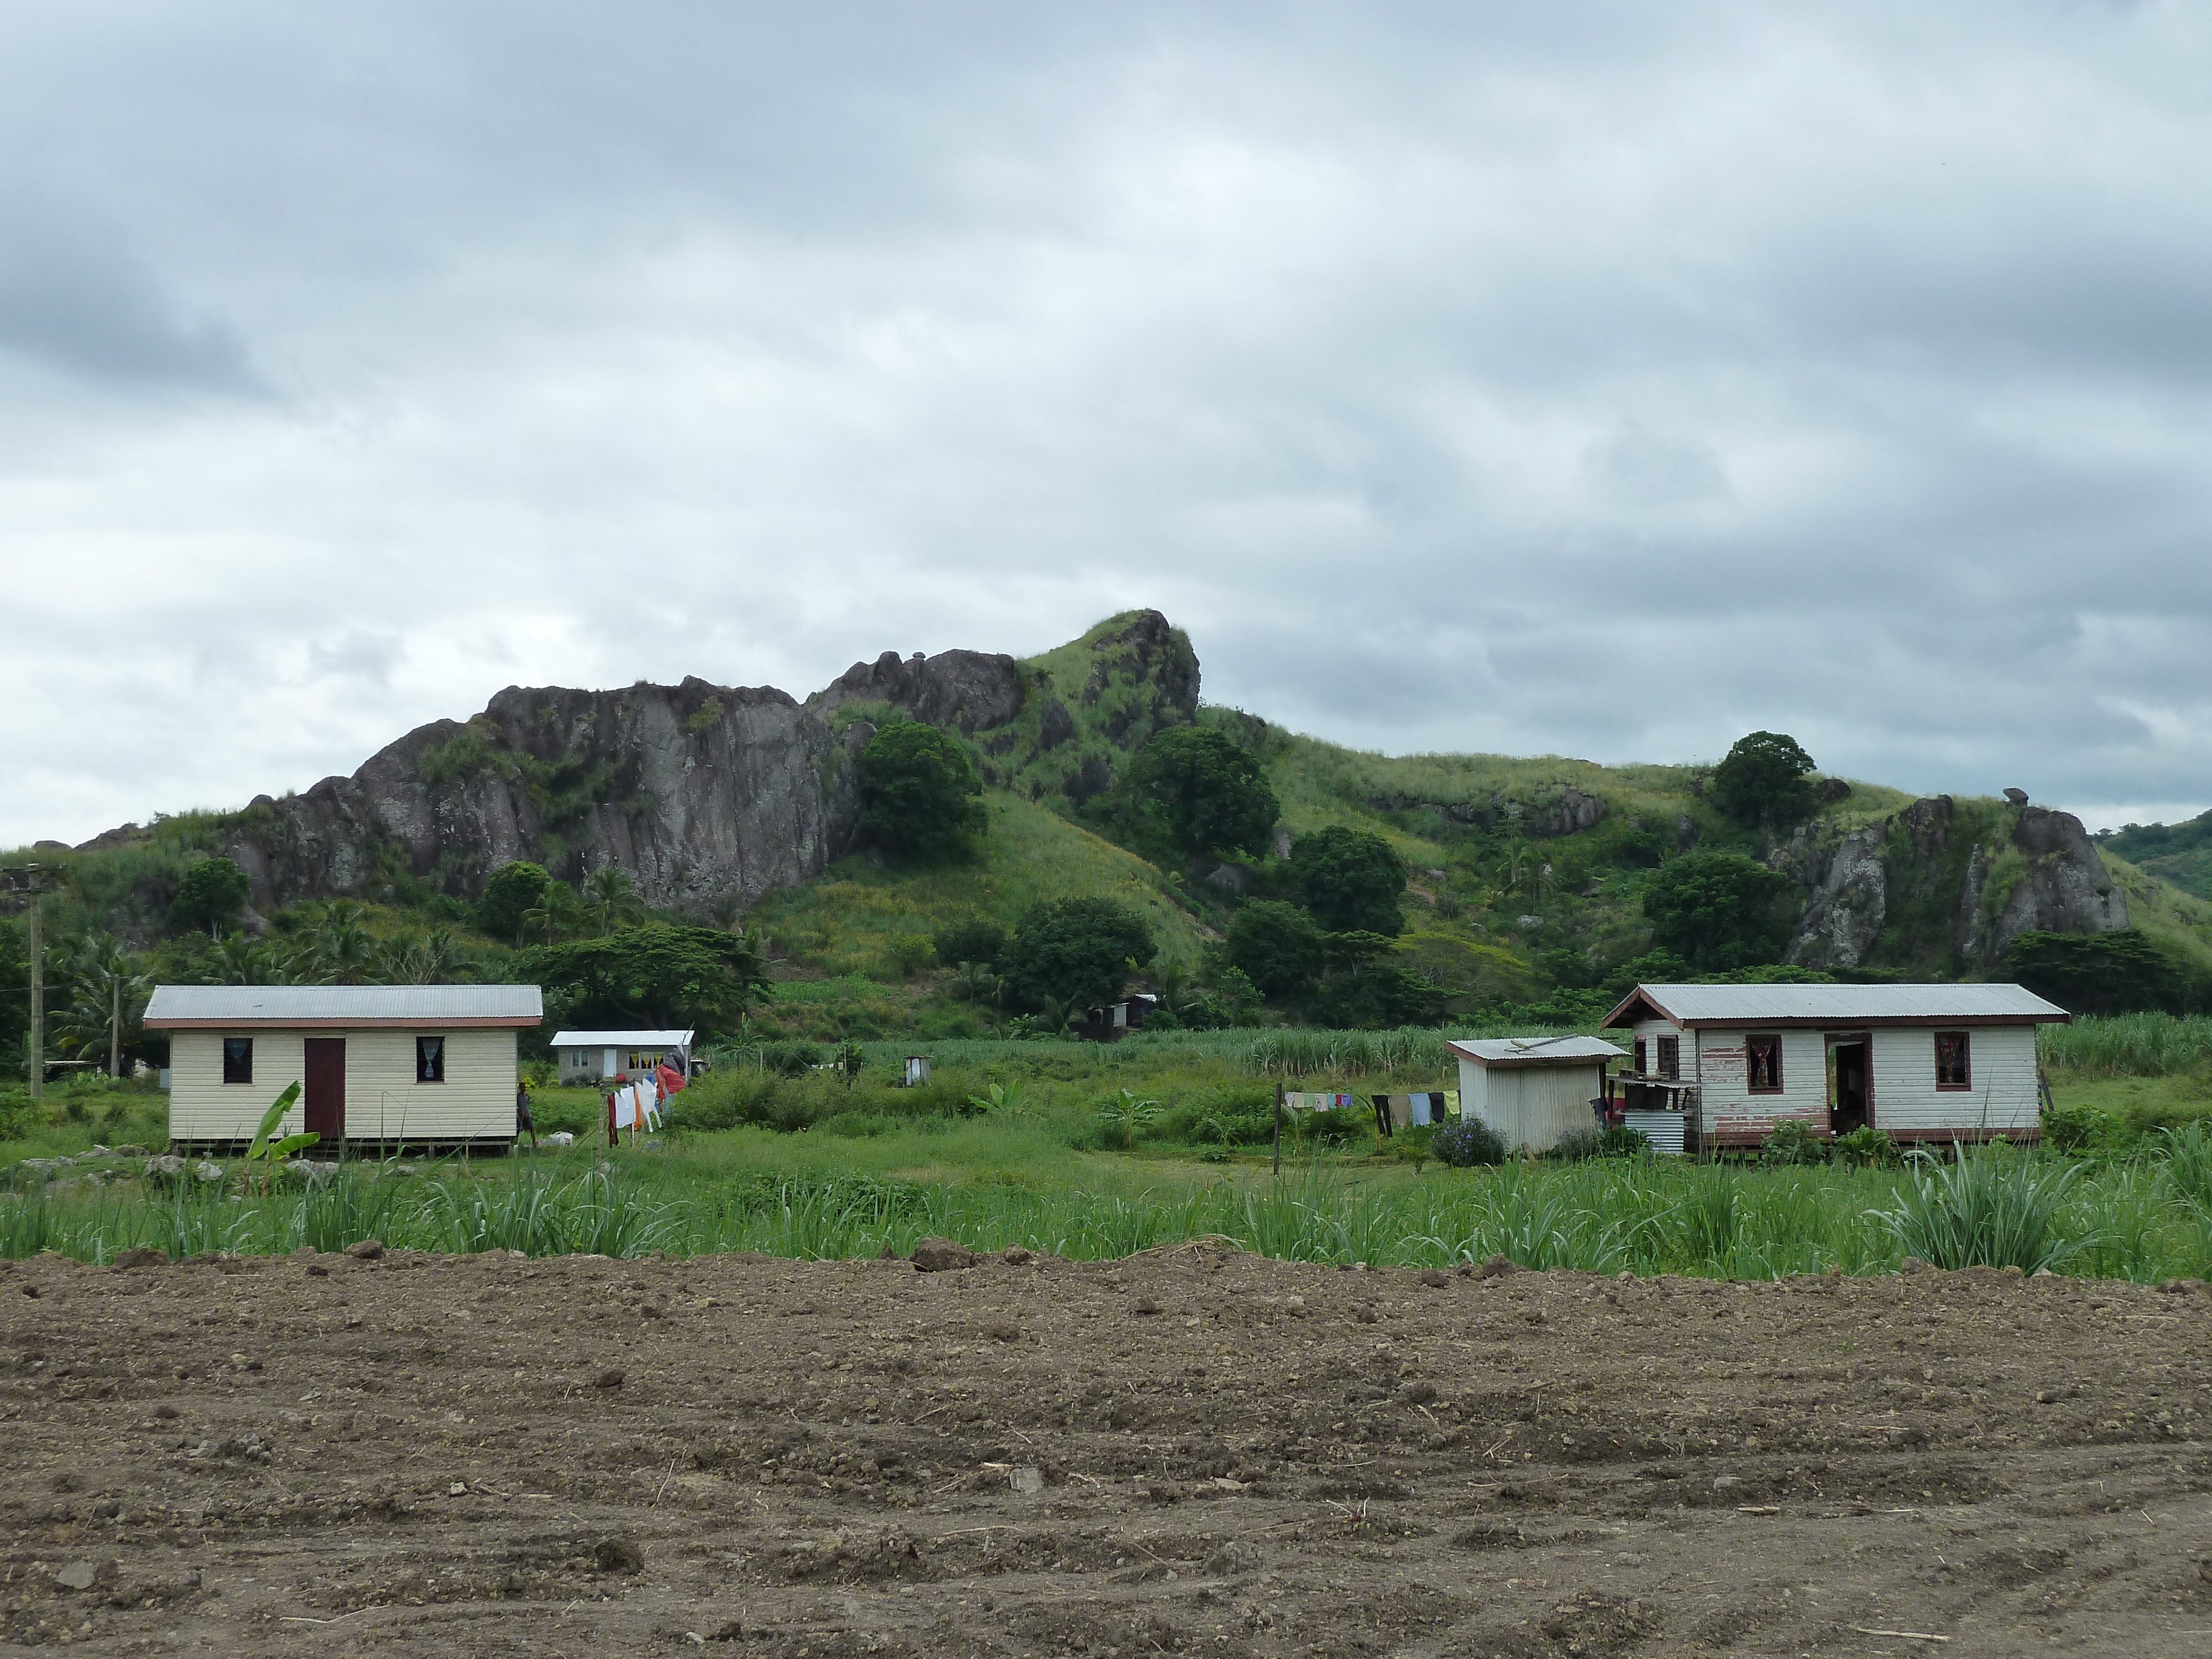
(326, 1088)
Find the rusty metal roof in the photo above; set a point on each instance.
(1535, 1051)
(1835, 1005)
(173, 1006)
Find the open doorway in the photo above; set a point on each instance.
(1850, 1089)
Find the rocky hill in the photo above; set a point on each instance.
(715, 797)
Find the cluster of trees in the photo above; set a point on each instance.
(524, 904)
(2124, 972)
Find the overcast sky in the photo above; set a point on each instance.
(1600, 380)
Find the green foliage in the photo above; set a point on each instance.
(1350, 879)
(1988, 1208)
(512, 892)
(2128, 1045)
(1198, 791)
(918, 792)
(1617, 1140)
(1865, 1148)
(2115, 973)
(610, 900)
(1720, 910)
(1077, 951)
(909, 954)
(1764, 781)
(2079, 1128)
(706, 717)
(2178, 853)
(1277, 947)
(1232, 1000)
(212, 893)
(972, 938)
(659, 977)
(1466, 1143)
(1792, 1145)
(1126, 1115)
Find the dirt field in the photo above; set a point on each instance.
(423, 1454)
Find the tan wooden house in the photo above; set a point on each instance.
(414, 1065)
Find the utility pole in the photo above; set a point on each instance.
(114, 1023)
(32, 879)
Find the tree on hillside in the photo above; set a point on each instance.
(611, 900)
(1764, 781)
(1278, 947)
(1077, 951)
(1720, 910)
(211, 895)
(2117, 973)
(1199, 793)
(918, 792)
(512, 892)
(659, 977)
(1351, 880)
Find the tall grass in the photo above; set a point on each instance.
(2140, 1220)
(2128, 1045)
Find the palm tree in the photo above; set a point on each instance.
(611, 898)
(342, 946)
(557, 912)
(1173, 986)
(108, 989)
(975, 982)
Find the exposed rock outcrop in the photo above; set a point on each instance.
(709, 796)
(1937, 878)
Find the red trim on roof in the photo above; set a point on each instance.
(354, 1023)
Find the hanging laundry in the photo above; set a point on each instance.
(1450, 1098)
(1381, 1104)
(1423, 1109)
(1402, 1112)
(669, 1080)
(626, 1108)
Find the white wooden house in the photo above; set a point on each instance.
(1933, 1063)
(415, 1065)
(1532, 1091)
(601, 1056)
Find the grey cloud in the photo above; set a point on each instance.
(73, 297)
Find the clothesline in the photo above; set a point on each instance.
(1392, 1112)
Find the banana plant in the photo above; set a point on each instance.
(266, 1151)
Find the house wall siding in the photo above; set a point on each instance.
(1530, 1106)
(383, 1100)
(2003, 1100)
(202, 1107)
(1731, 1112)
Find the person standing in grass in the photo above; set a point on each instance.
(522, 1119)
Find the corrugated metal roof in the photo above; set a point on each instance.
(317, 1004)
(1838, 1005)
(1536, 1051)
(622, 1039)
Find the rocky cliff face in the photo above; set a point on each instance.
(709, 795)
(1938, 885)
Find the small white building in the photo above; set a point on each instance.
(1935, 1063)
(418, 1065)
(1532, 1091)
(599, 1056)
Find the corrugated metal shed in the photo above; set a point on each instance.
(182, 1007)
(1534, 1051)
(622, 1040)
(1831, 1005)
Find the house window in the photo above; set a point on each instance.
(1762, 1057)
(1670, 1057)
(1643, 1057)
(1954, 1060)
(429, 1060)
(238, 1060)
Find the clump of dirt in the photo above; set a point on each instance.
(1192, 1451)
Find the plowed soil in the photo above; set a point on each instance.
(426, 1454)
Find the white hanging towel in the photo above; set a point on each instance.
(625, 1109)
(649, 1104)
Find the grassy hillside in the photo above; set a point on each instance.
(2178, 853)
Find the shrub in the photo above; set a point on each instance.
(515, 891)
(909, 954)
(211, 894)
(1076, 951)
(1865, 1148)
(977, 939)
(2078, 1128)
(1792, 1144)
(1197, 790)
(1277, 947)
(1466, 1144)
(1618, 1141)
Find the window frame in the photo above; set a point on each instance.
(1670, 1059)
(1643, 1060)
(1771, 1041)
(1967, 1062)
(431, 1057)
(230, 1073)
